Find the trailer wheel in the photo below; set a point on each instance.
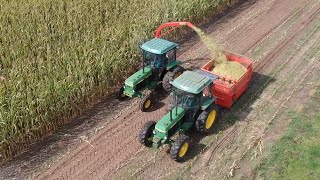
(146, 103)
(170, 76)
(180, 148)
(146, 133)
(207, 119)
(120, 94)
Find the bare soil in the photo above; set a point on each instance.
(282, 36)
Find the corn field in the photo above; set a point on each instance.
(56, 57)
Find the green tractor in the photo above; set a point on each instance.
(159, 66)
(192, 105)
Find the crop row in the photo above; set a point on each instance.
(56, 57)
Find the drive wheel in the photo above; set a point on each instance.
(207, 119)
(146, 133)
(170, 76)
(146, 103)
(180, 148)
(120, 94)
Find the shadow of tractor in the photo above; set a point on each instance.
(238, 112)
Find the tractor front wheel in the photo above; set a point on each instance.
(120, 94)
(146, 133)
(180, 148)
(146, 103)
(170, 76)
(207, 119)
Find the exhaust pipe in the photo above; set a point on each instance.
(143, 67)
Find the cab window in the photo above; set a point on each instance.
(171, 55)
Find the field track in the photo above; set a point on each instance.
(277, 34)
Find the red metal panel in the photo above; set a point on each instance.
(226, 90)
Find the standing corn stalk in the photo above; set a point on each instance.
(57, 57)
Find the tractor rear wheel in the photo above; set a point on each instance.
(170, 76)
(146, 103)
(120, 94)
(180, 148)
(146, 133)
(207, 119)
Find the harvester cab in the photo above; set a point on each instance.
(159, 66)
(192, 106)
(158, 57)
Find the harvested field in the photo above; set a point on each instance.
(282, 36)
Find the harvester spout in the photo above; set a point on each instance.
(174, 25)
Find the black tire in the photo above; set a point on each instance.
(146, 103)
(203, 123)
(146, 133)
(176, 152)
(120, 95)
(170, 76)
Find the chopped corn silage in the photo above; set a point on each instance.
(229, 69)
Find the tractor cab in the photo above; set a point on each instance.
(158, 53)
(159, 66)
(184, 99)
(192, 90)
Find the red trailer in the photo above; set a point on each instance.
(228, 90)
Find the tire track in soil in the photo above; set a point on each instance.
(259, 68)
(204, 51)
(228, 135)
(232, 150)
(273, 29)
(286, 42)
(76, 160)
(297, 83)
(259, 40)
(278, 49)
(126, 129)
(272, 135)
(236, 128)
(254, 139)
(119, 137)
(241, 19)
(118, 125)
(231, 132)
(99, 152)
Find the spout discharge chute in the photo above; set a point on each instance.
(174, 25)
